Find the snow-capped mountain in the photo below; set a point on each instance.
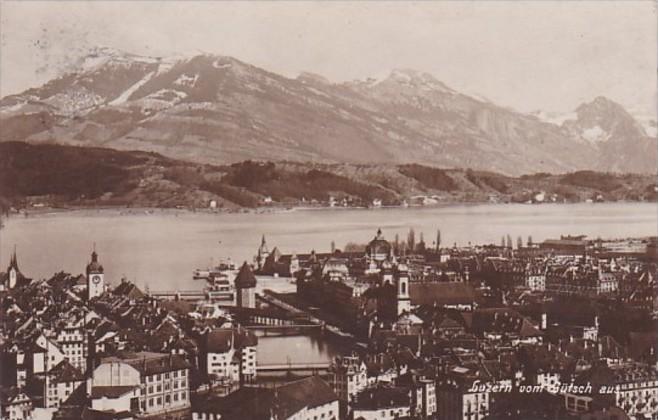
(218, 109)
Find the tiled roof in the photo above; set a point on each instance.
(149, 363)
(222, 340)
(245, 278)
(382, 397)
(115, 391)
(441, 293)
(263, 403)
(65, 372)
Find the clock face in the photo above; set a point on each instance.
(96, 279)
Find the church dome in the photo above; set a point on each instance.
(378, 246)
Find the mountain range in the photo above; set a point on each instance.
(219, 110)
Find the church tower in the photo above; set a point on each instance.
(13, 271)
(245, 287)
(95, 277)
(402, 284)
(263, 253)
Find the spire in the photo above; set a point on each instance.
(262, 241)
(14, 261)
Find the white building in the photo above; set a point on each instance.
(60, 382)
(150, 383)
(16, 405)
(349, 376)
(231, 352)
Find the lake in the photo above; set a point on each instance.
(160, 249)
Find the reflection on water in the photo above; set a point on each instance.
(297, 349)
(163, 248)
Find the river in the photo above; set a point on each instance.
(161, 248)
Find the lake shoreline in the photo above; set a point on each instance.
(134, 211)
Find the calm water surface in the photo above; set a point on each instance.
(296, 349)
(161, 249)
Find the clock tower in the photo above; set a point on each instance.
(95, 277)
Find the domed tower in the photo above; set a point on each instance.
(245, 286)
(95, 277)
(378, 249)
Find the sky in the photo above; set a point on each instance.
(526, 55)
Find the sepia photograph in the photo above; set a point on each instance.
(328, 210)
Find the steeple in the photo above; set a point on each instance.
(13, 262)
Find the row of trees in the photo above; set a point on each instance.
(506, 242)
(410, 244)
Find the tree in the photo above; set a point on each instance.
(354, 247)
(519, 242)
(502, 241)
(529, 241)
(396, 244)
(411, 239)
(420, 248)
(438, 239)
(333, 247)
(509, 241)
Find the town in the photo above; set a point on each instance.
(563, 328)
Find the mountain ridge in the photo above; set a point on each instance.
(218, 109)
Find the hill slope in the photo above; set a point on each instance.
(67, 176)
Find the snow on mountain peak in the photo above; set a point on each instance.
(418, 79)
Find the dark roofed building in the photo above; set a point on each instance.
(452, 294)
(307, 398)
(149, 363)
(129, 290)
(395, 401)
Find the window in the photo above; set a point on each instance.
(150, 402)
(167, 399)
(159, 400)
(183, 396)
